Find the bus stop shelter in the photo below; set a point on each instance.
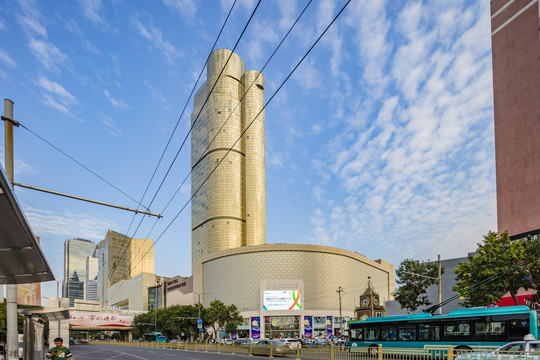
(21, 258)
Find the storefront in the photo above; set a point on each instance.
(282, 327)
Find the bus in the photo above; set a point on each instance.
(465, 329)
(155, 336)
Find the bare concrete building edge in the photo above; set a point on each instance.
(229, 207)
(515, 38)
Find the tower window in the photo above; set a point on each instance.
(247, 137)
(219, 112)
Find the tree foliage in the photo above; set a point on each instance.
(412, 292)
(181, 321)
(500, 266)
(220, 315)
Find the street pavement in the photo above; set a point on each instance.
(104, 352)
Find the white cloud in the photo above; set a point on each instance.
(56, 89)
(6, 59)
(414, 171)
(47, 54)
(155, 36)
(112, 129)
(91, 10)
(118, 104)
(186, 8)
(68, 224)
(30, 20)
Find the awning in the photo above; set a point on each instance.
(48, 314)
(21, 258)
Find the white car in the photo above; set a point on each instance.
(292, 343)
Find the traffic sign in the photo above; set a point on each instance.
(199, 323)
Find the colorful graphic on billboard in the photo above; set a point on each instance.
(90, 321)
(256, 327)
(308, 326)
(329, 325)
(282, 300)
(29, 294)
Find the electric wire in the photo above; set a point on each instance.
(172, 134)
(233, 110)
(187, 135)
(247, 127)
(82, 165)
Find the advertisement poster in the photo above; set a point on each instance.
(256, 327)
(308, 326)
(282, 300)
(329, 325)
(91, 321)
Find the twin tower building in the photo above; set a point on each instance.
(228, 158)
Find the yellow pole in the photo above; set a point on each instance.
(206, 346)
(232, 348)
(271, 352)
(332, 352)
(195, 346)
(218, 347)
(450, 352)
(298, 352)
(250, 348)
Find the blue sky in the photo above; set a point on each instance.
(381, 143)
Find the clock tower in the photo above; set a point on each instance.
(370, 303)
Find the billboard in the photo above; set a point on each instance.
(90, 321)
(282, 300)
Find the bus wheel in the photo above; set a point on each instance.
(374, 351)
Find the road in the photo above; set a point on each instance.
(105, 352)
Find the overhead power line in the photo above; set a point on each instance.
(178, 121)
(82, 165)
(233, 110)
(247, 127)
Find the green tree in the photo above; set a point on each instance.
(414, 278)
(220, 315)
(500, 266)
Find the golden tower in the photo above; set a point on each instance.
(229, 209)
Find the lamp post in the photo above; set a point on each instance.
(438, 278)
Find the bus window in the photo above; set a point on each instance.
(517, 329)
(457, 331)
(373, 333)
(429, 332)
(489, 330)
(407, 332)
(357, 334)
(388, 332)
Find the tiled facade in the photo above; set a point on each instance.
(238, 276)
(228, 207)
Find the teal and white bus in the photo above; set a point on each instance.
(155, 336)
(479, 328)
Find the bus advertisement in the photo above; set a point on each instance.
(155, 336)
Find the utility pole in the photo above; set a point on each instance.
(439, 280)
(339, 291)
(11, 289)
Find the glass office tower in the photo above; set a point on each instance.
(229, 201)
(75, 253)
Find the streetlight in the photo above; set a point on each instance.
(438, 278)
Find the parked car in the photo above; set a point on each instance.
(293, 343)
(71, 341)
(515, 350)
(274, 347)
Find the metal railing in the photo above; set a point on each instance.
(336, 352)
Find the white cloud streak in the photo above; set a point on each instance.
(118, 104)
(155, 36)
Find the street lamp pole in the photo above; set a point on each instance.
(438, 278)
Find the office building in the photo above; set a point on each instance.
(229, 209)
(515, 39)
(75, 253)
(121, 258)
(92, 266)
